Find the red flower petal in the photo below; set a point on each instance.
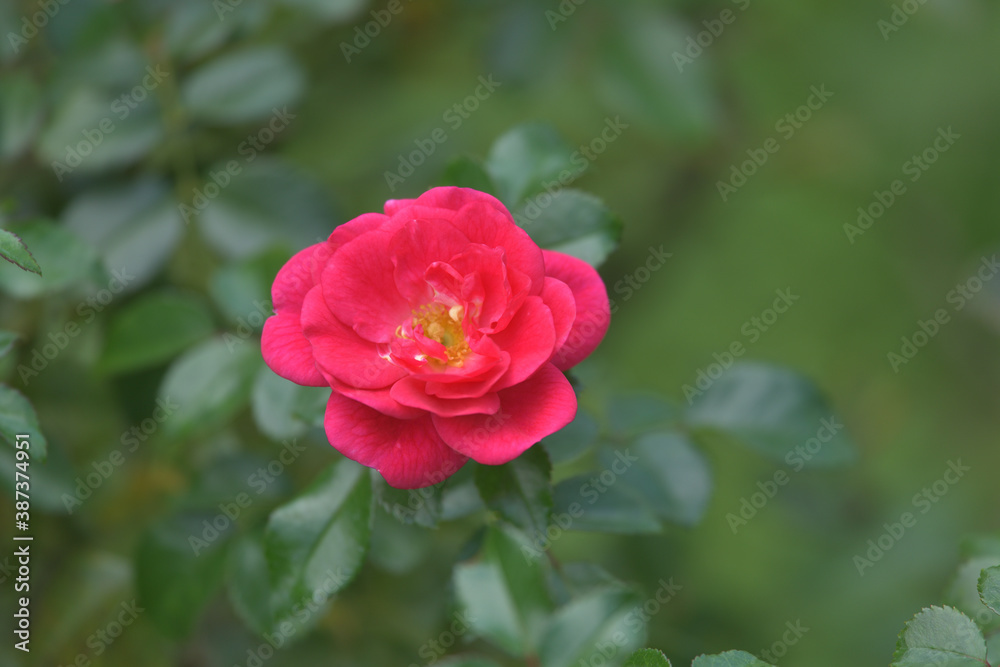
(294, 280)
(559, 298)
(449, 197)
(593, 312)
(530, 339)
(360, 290)
(409, 453)
(377, 399)
(287, 351)
(529, 411)
(344, 233)
(412, 392)
(339, 351)
(417, 245)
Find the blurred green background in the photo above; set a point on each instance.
(357, 111)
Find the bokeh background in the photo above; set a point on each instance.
(357, 111)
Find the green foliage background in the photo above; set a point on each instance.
(353, 120)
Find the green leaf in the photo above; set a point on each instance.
(17, 417)
(316, 543)
(963, 592)
(630, 415)
(524, 158)
(571, 222)
(283, 409)
(242, 289)
(329, 11)
(408, 506)
(7, 340)
(13, 250)
(647, 657)
(729, 659)
(585, 503)
(466, 172)
(154, 328)
(248, 583)
(243, 86)
(136, 228)
(592, 626)
(194, 29)
(210, 382)
(940, 636)
(503, 591)
(267, 203)
(989, 588)
(775, 411)
(572, 441)
(88, 133)
(520, 491)
(174, 583)
(21, 112)
(672, 476)
(65, 261)
(467, 661)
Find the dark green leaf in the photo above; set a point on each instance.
(775, 411)
(248, 583)
(503, 591)
(520, 491)
(136, 228)
(647, 657)
(940, 636)
(586, 503)
(729, 659)
(12, 249)
(20, 112)
(571, 222)
(65, 260)
(17, 417)
(316, 543)
(279, 405)
(174, 582)
(243, 86)
(527, 157)
(963, 592)
(989, 588)
(153, 329)
(572, 441)
(630, 415)
(465, 172)
(592, 626)
(672, 476)
(420, 506)
(210, 383)
(196, 28)
(242, 289)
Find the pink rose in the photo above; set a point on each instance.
(443, 330)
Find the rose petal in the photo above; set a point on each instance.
(448, 197)
(377, 399)
(412, 392)
(294, 280)
(530, 339)
(417, 245)
(360, 290)
(348, 231)
(529, 411)
(409, 453)
(287, 352)
(341, 352)
(559, 298)
(593, 312)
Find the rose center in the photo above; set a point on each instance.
(443, 325)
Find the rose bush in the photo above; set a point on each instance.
(443, 330)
